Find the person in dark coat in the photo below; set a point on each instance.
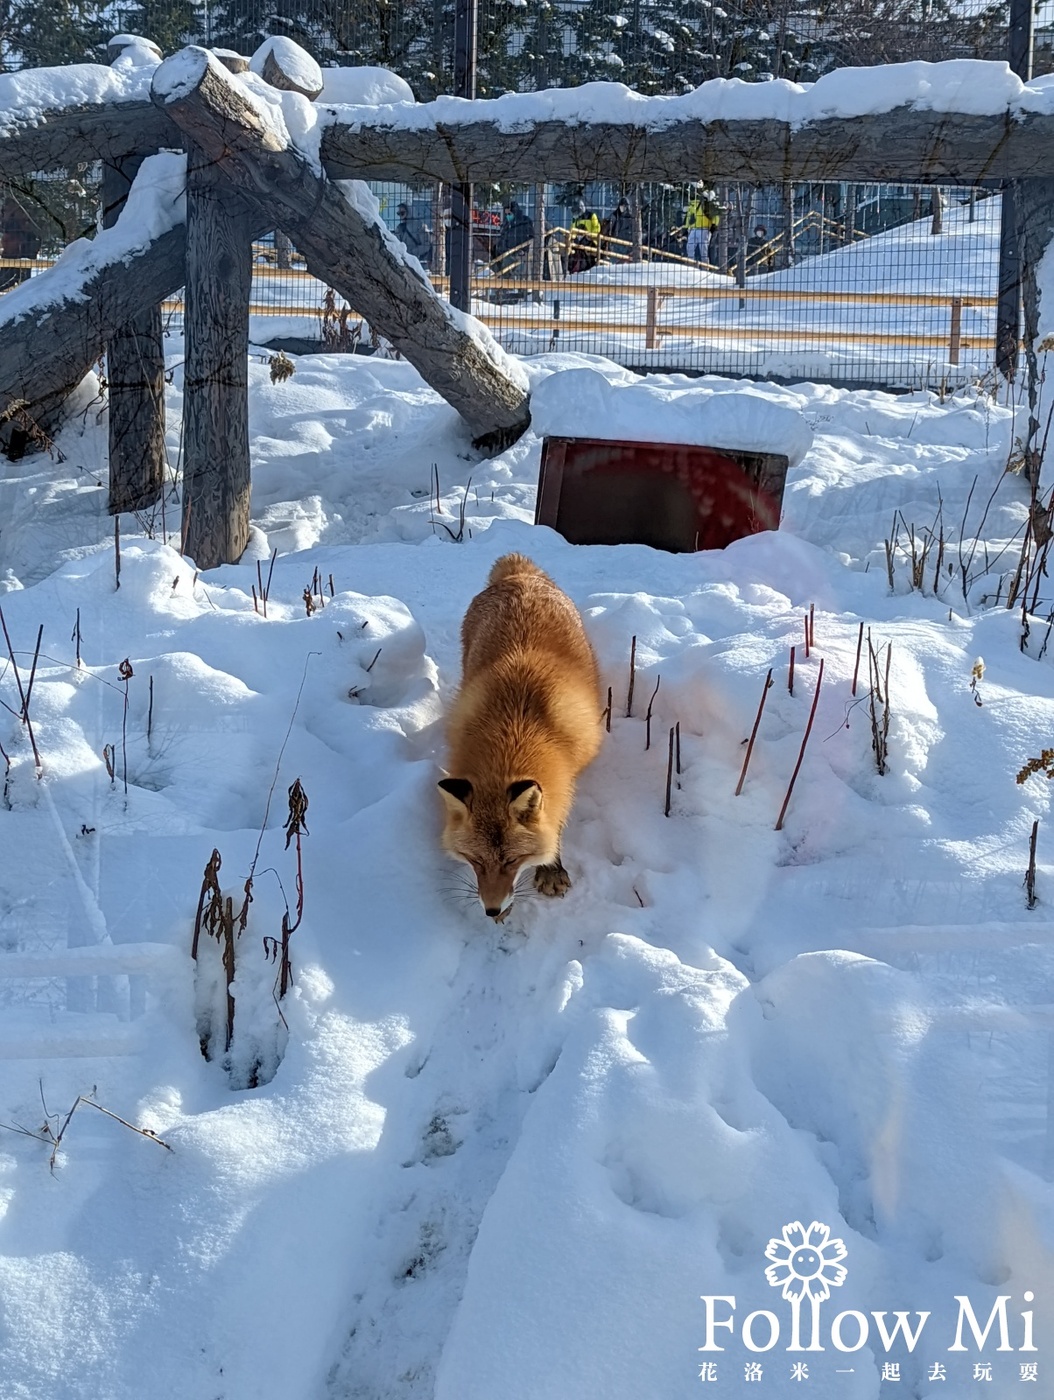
(415, 236)
(512, 245)
(620, 228)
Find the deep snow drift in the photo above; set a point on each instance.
(511, 1162)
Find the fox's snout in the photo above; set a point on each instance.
(496, 891)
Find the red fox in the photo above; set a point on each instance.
(524, 724)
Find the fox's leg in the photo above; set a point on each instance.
(552, 880)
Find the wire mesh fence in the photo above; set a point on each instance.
(886, 285)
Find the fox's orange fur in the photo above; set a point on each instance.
(524, 724)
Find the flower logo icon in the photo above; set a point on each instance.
(805, 1262)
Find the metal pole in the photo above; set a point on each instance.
(1008, 313)
(465, 15)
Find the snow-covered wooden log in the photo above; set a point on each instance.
(288, 67)
(79, 135)
(902, 146)
(346, 244)
(51, 118)
(55, 327)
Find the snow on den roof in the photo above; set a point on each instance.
(585, 403)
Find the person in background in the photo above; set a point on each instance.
(415, 236)
(758, 250)
(511, 247)
(19, 238)
(620, 228)
(701, 221)
(585, 239)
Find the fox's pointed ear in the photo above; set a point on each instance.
(457, 792)
(525, 798)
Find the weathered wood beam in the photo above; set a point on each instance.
(103, 131)
(345, 244)
(135, 380)
(216, 485)
(904, 145)
(135, 368)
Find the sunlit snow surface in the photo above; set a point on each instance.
(506, 1162)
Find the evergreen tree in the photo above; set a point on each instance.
(169, 23)
(64, 31)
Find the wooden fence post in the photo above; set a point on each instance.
(955, 331)
(135, 369)
(216, 376)
(652, 317)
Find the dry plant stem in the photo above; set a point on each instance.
(116, 552)
(1030, 874)
(607, 713)
(332, 590)
(801, 752)
(677, 750)
(856, 667)
(669, 775)
(812, 625)
(14, 665)
(22, 694)
(806, 622)
(373, 663)
(632, 677)
(790, 672)
(754, 733)
(33, 670)
(295, 827)
(647, 717)
(274, 783)
(48, 1134)
(150, 713)
(76, 637)
(210, 890)
(889, 563)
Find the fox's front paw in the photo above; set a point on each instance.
(552, 880)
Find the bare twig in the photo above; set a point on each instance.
(1030, 873)
(607, 713)
(801, 752)
(647, 717)
(126, 673)
(790, 672)
(754, 733)
(856, 667)
(632, 676)
(669, 774)
(116, 552)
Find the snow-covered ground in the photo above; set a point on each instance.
(485, 1162)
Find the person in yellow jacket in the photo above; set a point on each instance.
(585, 239)
(701, 221)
